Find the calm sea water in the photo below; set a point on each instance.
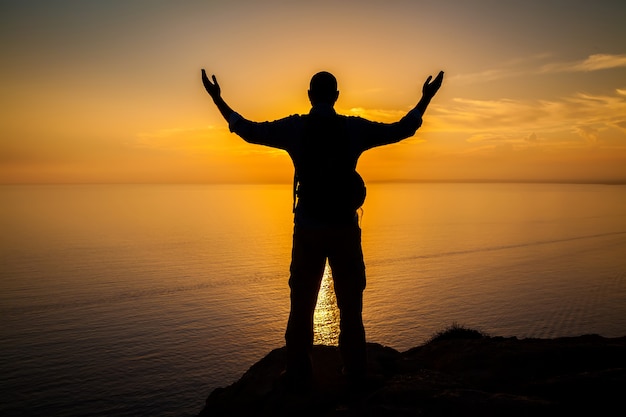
(131, 300)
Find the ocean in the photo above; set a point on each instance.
(132, 300)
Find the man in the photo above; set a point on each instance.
(324, 148)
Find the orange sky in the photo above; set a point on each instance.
(111, 91)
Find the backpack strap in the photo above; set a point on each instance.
(296, 180)
(295, 190)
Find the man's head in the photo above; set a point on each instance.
(323, 88)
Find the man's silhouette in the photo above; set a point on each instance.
(324, 148)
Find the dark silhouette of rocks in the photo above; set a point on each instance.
(458, 372)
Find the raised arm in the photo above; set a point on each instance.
(213, 88)
(374, 134)
(428, 92)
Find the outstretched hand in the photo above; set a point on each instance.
(213, 88)
(430, 88)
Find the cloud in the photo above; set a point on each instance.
(486, 115)
(621, 124)
(508, 69)
(531, 138)
(502, 142)
(531, 65)
(488, 126)
(595, 62)
(588, 133)
(502, 114)
(486, 75)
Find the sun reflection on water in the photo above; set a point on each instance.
(326, 318)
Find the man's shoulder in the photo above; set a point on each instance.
(286, 120)
(292, 117)
(355, 120)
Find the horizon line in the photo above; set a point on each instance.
(397, 181)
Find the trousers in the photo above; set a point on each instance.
(341, 246)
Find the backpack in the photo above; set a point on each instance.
(326, 184)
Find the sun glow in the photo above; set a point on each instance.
(120, 106)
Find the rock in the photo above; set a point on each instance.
(486, 376)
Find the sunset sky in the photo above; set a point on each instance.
(110, 91)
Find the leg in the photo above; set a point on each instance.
(307, 267)
(346, 262)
